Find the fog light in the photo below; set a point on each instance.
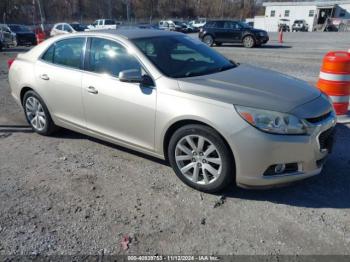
(280, 168)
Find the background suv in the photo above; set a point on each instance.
(300, 25)
(24, 36)
(227, 31)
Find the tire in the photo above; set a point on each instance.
(218, 43)
(198, 170)
(43, 124)
(249, 41)
(208, 40)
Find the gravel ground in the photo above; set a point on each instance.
(71, 194)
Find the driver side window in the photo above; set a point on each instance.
(109, 57)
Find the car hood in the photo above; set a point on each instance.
(253, 87)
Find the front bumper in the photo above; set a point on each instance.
(256, 151)
(262, 39)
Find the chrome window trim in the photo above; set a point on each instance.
(84, 56)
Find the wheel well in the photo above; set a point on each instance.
(23, 91)
(171, 130)
(208, 34)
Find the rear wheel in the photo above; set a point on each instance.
(201, 159)
(208, 40)
(248, 41)
(37, 114)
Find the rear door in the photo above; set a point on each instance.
(58, 78)
(117, 110)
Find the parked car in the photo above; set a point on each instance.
(103, 24)
(170, 96)
(198, 24)
(167, 25)
(7, 38)
(65, 28)
(147, 26)
(283, 24)
(229, 31)
(181, 27)
(300, 25)
(24, 36)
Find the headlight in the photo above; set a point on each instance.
(271, 121)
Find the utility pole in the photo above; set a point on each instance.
(41, 15)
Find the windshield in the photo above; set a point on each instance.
(78, 27)
(182, 56)
(19, 28)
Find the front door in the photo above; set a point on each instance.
(115, 109)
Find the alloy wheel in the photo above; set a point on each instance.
(248, 41)
(198, 159)
(208, 40)
(35, 113)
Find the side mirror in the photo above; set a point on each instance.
(135, 76)
(131, 76)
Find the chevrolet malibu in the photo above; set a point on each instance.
(170, 96)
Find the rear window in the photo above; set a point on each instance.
(109, 22)
(66, 52)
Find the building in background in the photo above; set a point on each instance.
(319, 15)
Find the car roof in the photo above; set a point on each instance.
(136, 33)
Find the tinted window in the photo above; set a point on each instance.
(214, 24)
(109, 22)
(48, 56)
(177, 56)
(19, 28)
(66, 52)
(231, 25)
(59, 27)
(110, 57)
(78, 27)
(67, 28)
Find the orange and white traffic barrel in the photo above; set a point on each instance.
(334, 80)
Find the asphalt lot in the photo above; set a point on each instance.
(71, 194)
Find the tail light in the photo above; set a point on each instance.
(10, 62)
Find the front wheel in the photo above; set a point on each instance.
(208, 40)
(201, 158)
(37, 114)
(248, 41)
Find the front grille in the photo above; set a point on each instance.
(326, 139)
(319, 118)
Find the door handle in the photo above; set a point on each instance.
(92, 90)
(45, 77)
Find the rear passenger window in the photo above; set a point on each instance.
(48, 56)
(69, 52)
(110, 58)
(66, 52)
